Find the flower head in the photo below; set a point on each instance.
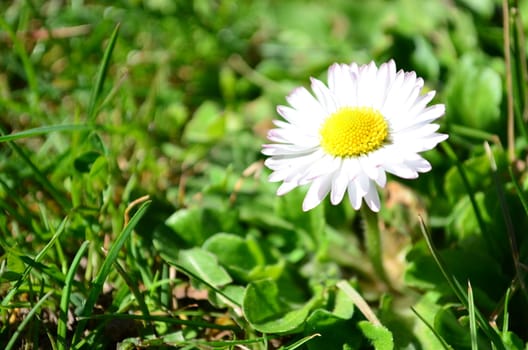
(367, 122)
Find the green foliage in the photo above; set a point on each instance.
(380, 336)
(268, 312)
(474, 94)
(103, 104)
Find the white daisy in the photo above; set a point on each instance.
(367, 122)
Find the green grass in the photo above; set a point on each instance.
(135, 210)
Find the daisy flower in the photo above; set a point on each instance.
(346, 137)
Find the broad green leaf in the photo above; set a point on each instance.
(15, 263)
(484, 8)
(267, 312)
(451, 330)
(512, 341)
(477, 170)
(233, 292)
(343, 307)
(379, 336)
(335, 332)
(468, 263)
(474, 94)
(243, 258)
(204, 265)
(13, 269)
(426, 308)
(424, 58)
(84, 162)
(187, 224)
(233, 253)
(206, 125)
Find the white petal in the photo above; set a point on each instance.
(300, 98)
(381, 180)
(324, 96)
(316, 193)
(422, 119)
(414, 133)
(305, 119)
(427, 143)
(286, 187)
(401, 170)
(354, 196)
(339, 186)
(362, 183)
(420, 165)
(372, 198)
(367, 85)
(369, 167)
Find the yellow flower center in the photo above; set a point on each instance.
(354, 131)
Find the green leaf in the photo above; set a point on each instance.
(14, 263)
(43, 130)
(335, 332)
(512, 341)
(204, 265)
(484, 8)
(474, 94)
(243, 258)
(451, 330)
(477, 171)
(426, 309)
(187, 224)
(267, 312)
(101, 76)
(379, 336)
(206, 125)
(234, 253)
(472, 318)
(342, 307)
(230, 292)
(463, 264)
(106, 268)
(84, 162)
(65, 297)
(27, 319)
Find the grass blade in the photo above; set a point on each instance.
(44, 130)
(213, 287)
(40, 255)
(445, 345)
(132, 285)
(452, 155)
(28, 318)
(65, 297)
(106, 268)
(101, 76)
(459, 291)
(300, 342)
(29, 71)
(172, 320)
(468, 132)
(510, 230)
(359, 302)
(519, 190)
(472, 319)
(41, 177)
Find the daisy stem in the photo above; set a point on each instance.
(373, 243)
